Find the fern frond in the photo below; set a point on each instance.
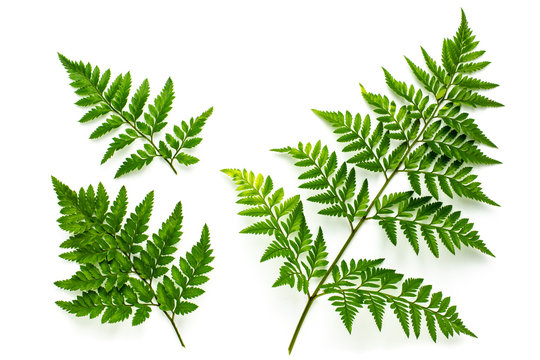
(108, 102)
(118, 260)
(424, 133)
(316, 258)
(432, 83)
(462, 123)
(415, 98)
(372, 288)
(444, 140)
(440, 172)
(368, 146)
(189, 276)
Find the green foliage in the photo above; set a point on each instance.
(429, 138)
(119, 261)
(433, 219)
(423, 133)
(108, 100)
(368, 147)
(324, 173)
(304, 259)
(441, 173)
(363, 283)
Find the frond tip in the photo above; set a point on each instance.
(304, 259)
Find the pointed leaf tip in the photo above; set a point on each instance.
(281, 150)
(362, 88)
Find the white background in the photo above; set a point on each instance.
(263, 66)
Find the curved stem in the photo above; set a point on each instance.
(175, 328)
(170, 163)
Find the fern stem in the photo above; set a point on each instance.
(175, 328)
(171, 166)
(301, 322)
(315, 293)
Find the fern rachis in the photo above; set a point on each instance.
(430, 137)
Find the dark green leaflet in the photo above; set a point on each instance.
(125, 273)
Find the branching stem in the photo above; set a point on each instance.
(355, 229)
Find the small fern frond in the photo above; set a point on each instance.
(441, 173)
(368, 147)
(107, 101)
(118, 260)
(462, 123)
(335, 183)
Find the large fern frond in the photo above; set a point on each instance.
(422, 132)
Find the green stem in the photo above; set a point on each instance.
(334, 263)
(171, 319)
(300, 322)
(175, 328)
(170, 163)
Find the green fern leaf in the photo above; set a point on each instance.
(105, 98)
(461, 123)
(434, 221)
(368, 288)
(118, 260)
